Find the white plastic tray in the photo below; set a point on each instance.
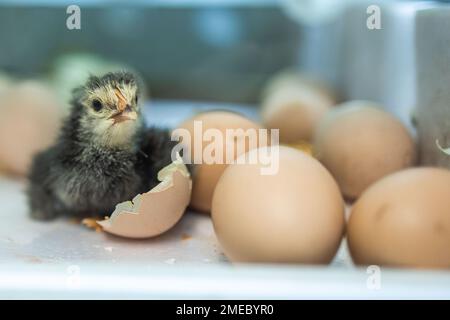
(62, 259)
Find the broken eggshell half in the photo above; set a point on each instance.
(153, 213)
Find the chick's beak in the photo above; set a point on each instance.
(124, 110)
(125, 115)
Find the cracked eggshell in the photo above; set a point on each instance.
(403, 220)
(154, 212)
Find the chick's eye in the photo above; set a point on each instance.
(97, 105)
(136, 99)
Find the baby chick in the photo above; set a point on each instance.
(104, 154)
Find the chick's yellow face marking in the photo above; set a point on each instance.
(122, 101)
(113, 98)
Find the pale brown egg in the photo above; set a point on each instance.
(295, 105)
(206, 175)
(155, 212)
(29, 122)
(403, 220)
(360, 143)
(295, 215)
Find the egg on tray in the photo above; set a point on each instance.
(31, 116)
(360, 143)
(206, 175)
(295, 104)
(403, 220)
(295, 215)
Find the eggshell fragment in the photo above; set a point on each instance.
(153, 213)
(360, 143)
(92, 223)
(293, 216)
(403, 220)
(295, 104)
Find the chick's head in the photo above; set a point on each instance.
(111, 110)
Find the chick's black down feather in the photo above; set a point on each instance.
(79, 177)
(95, 185)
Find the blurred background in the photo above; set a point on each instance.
(206, 49)
(227, 50)
(221, 50)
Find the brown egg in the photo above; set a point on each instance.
(30, 119)
(360, 143)
(295, 105)
(403, 220)
(205, 176)
(295, 215)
